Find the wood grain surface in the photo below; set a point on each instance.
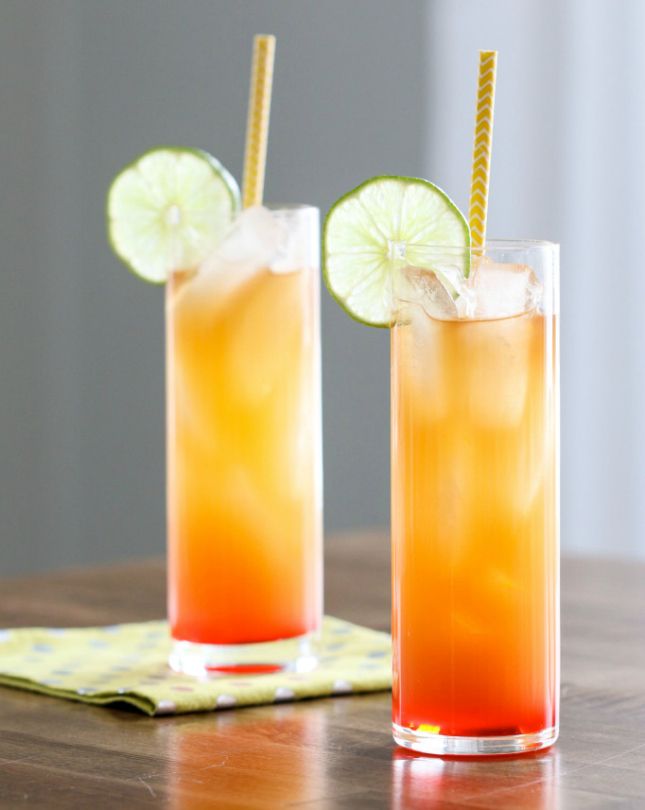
(333, 753)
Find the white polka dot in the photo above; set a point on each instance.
(226, 701)
(282, 693)
(56, 631)
(166, 707)
(5, 635)
(341, 687)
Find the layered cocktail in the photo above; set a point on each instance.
(474, 503)
(244, 442)
(474, 357)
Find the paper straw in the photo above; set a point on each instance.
(482, 147)
(257, 126)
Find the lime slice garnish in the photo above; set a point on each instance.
(168, 210)
(382, 225)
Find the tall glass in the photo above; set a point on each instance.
(475, 501)
(244, 451)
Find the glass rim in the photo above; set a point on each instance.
(519, 244)
(289, 207)
(496, 244)
(399, 250)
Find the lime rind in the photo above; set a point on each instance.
(361, 229)
(168, 209)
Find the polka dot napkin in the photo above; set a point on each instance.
(127, 663)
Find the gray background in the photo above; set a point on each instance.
(361, 88)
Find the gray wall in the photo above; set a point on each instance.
(87, 85)
(568, 165)
(361, 88)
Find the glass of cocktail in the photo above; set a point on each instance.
(474, 348)
(244, 447)
(474, 500)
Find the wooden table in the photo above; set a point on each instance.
(334, 753)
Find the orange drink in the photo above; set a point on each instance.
(475, 507)
(244, 443)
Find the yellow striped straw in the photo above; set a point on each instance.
(482, 148)
(257, 125)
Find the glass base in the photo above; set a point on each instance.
(297, 654)
(443, 745)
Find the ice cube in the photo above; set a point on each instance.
(495, 369)
(251, 244)
(256, 237)
(423, 367)
(503, 290)
(215, 281)
(299, 250)
(441, 293)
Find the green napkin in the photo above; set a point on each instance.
(127, 663)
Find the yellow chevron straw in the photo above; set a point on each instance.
(257, 125)
(482, 148)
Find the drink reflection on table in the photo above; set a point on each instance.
(261, 758)
(423, 782)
